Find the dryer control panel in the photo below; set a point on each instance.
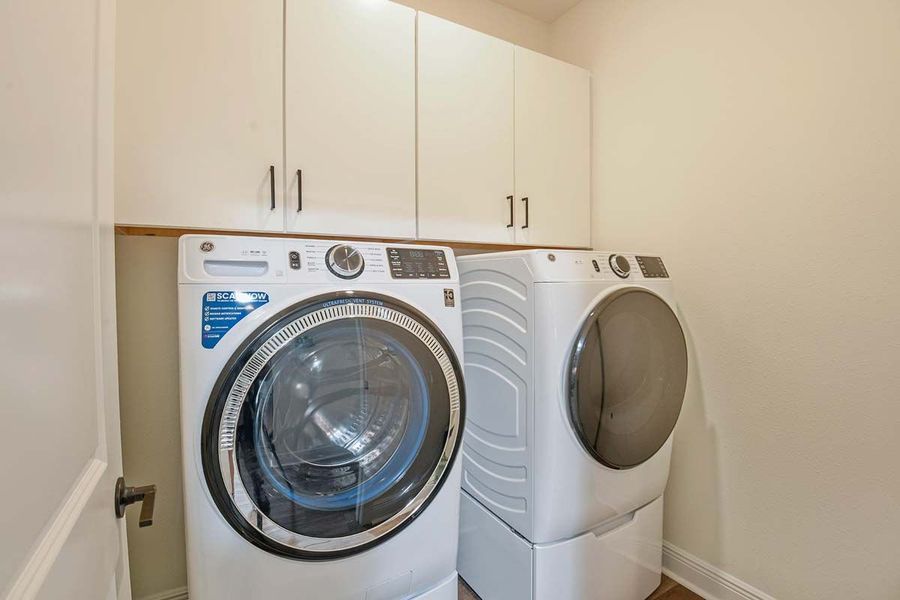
(579, 265)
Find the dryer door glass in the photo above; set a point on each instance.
(627, 378)
(337, 424)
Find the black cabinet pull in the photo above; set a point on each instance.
(272, 184)
(299, 190)
(511, 214)
(525, 200)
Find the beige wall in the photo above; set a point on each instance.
(756, 146)
(148, 347)
(147, 308)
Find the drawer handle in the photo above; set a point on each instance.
(235, 268)
(272, 184)
(511, 213)
(525, 200)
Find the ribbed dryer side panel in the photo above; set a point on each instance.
(498, 313)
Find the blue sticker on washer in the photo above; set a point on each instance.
(223, 310)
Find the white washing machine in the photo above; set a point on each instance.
(322, 406)
(576, 367)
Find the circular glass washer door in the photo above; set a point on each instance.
(333, 426)
(627, 377)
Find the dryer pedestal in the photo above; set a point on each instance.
(621, 560)
(448, 589)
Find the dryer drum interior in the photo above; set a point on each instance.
(627, 377)
(333, 426)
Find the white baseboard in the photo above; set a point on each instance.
(703, 578)
(176, 594)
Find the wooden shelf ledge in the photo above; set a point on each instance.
(468, 247)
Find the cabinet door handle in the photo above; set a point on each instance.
(272, 185)
(299, 190)
(511, 213)
(525, 200)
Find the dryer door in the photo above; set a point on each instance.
(627, 377)
(333, 426)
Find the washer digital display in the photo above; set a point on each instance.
(412, 263)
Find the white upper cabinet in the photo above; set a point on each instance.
(466, 133)
(345, 118)
(553, 170)
(199, 114)
(504, 141)
(350, 118)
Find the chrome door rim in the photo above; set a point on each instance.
(348, 308)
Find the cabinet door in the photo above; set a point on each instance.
(466, 135)
(350, 118)
(552, 151)
(199, 113)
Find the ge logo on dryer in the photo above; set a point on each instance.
(207, 246)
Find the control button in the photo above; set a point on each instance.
(345, 261)
(294, 260)
(619, 265)
(596, 266)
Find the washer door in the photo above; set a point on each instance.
(627, 377)
(333, 426)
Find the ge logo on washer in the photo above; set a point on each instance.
(207, 246)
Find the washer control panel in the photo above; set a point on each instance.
(230, 259)
(412, 263)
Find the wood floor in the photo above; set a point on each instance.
(668, 590)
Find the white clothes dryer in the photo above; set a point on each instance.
(576, 368)
(322, 407)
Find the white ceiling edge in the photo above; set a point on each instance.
(544, 10)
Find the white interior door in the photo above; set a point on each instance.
(466, 135)
(199, 114)
(350, 120)
(60, 449)
(553, 151)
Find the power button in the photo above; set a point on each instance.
(294, 260)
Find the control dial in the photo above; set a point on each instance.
(619, 265)
(345, 261)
